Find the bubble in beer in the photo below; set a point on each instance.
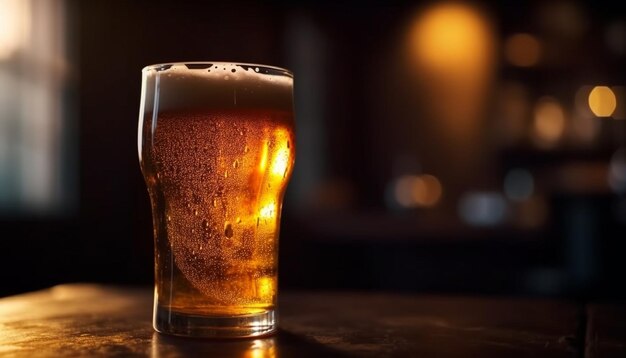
(228, 230)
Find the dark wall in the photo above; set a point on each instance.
(360, 243)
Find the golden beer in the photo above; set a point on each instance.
(216, 166)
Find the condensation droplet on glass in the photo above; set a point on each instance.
(228, 230)
(225, 173)
(288, 144)
(236, 164)
(238, 220)
(215, 202)
(169, 218)
(256, 69)
(246, 149)
(205, 224)
(195, 212)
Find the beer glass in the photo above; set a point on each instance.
(216, 148)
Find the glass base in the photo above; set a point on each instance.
(187, 325)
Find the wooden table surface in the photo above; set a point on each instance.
(92, 320)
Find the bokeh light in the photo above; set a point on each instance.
(522, 50)
(602, 101)
(449, 36)
(548, 122)
(482, 208)
(450, 48)
(417, 191)
(518, 184)
(14, 26)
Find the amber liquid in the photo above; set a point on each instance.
(216, 181)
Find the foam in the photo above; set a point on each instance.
(217, 85)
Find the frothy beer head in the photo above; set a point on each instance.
(194, 86)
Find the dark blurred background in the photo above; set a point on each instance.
(442, 147)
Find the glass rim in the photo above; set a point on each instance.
(262, 69)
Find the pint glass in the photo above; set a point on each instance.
(216, 148)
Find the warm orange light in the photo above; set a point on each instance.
(261, 348)
(280, 162)
(14, 25)
(549, 122)
(451, 36)
(265, 286)
(522, 50)
(263, 161)
(268, 210)
(418, 191)
(450, 46)
(602, 101)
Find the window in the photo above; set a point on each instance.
(36, 169)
